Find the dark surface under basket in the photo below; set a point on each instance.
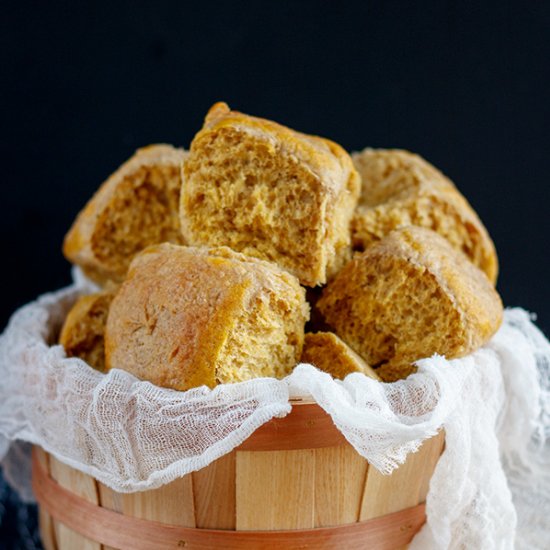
(18, 521)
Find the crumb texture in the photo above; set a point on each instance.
(329, 353)
(136, 207)
(400, 188)
(395, 370)
(269, 192)
(409, 296)
(192, 316)
(82, 334)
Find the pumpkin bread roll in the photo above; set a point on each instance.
(408, 296)
(82, 334)
(186, 316)
(136, 207)
(400, 188)
(330, 354)
(269, 192)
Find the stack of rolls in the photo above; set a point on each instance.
(203, 258)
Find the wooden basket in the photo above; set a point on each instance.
(295, 483)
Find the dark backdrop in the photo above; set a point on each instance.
(463, 83)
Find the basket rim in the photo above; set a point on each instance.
(307, 426)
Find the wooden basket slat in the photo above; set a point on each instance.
(83, 486)
(45, 521)
(112, 501)
(339, 481)
(433, 449)
(275, 490)
(171, 503)
(214, 492)
(386, 494)
(45, 524)
(405, 487)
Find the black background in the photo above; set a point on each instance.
(85, 84)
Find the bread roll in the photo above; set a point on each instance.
(185, 317)
(395, 370)
(269, 192)
(82, 334)
(408, 296)
(400, 188)
(327, 352)
(137, 206)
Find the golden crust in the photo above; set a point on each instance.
(270, 192)
(174, 318)
(135, 207)
(389, 172)
(329, 353)
(82, 334)
(409, 296)
(326, 158)
(400, 188)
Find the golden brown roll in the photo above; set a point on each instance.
(82, 334)
(269, 192)
(399, 189)
(136, 207)
(186, 316)
(327, 352)
(408, 296)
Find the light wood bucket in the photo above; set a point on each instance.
(295, 483)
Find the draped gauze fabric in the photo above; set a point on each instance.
(491, 486)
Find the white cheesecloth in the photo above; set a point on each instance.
(490, 489)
